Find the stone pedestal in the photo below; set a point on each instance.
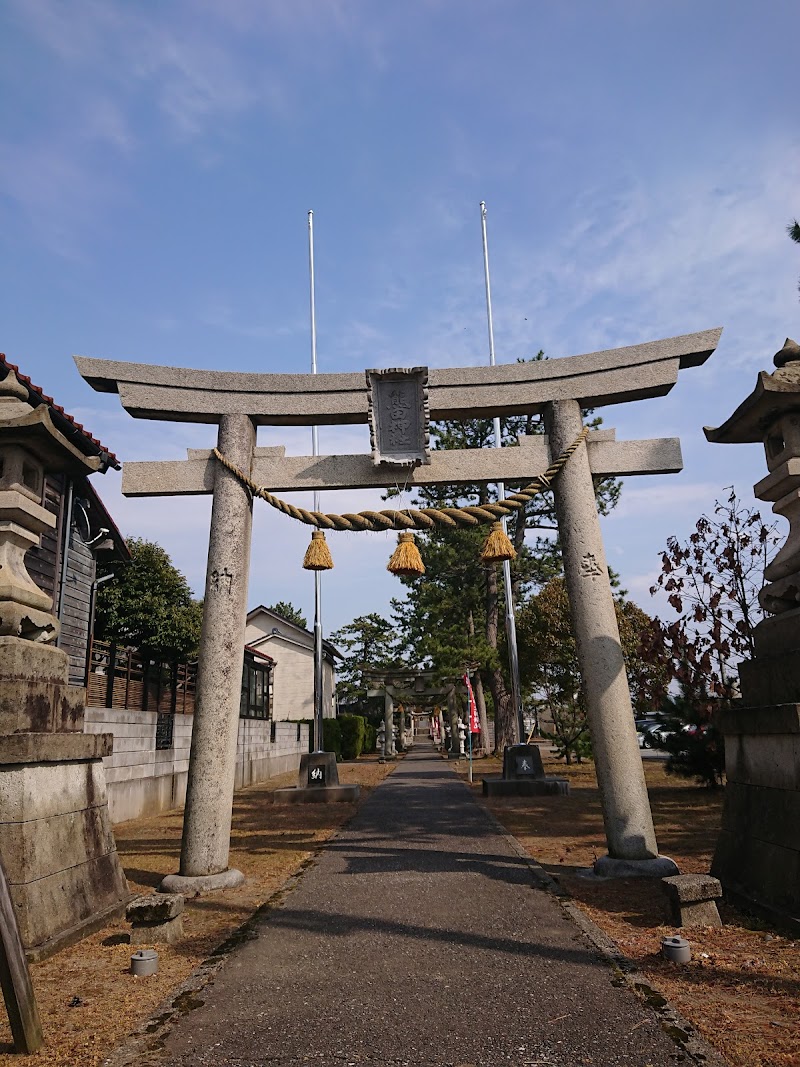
(55, 835)
(757, 857)
(155, 918)
(691, 900)
(61, 862)
(318, 783)
(523, 775)
(522, 761)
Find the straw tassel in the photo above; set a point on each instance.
(318, 555)
(497, 547)
(406, 560)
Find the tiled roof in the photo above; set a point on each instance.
(86, 443)
(261, 655)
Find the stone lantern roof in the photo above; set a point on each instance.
(47, 413)
(775, 395)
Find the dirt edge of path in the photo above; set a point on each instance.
(625, 971)
(143, 1046)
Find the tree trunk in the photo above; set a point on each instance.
(480, 703)
(505, 732)
(480, 698)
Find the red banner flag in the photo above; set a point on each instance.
(474, 722)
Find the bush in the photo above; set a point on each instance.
(696, 747)
(698, 753)
(570, 733)
(332, 737)
(352, 733)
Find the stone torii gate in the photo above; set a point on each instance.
(239, 402)
(411, 687)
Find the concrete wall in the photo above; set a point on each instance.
(142, 780)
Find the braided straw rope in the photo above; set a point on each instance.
(412, 518)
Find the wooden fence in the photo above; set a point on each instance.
(122, 678)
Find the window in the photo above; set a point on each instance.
(256, 688)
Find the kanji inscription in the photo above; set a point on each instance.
(221, 581)
(590, 568)
(398, 416)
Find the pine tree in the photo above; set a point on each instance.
(289, 612)
(434, 620)
(367, 643)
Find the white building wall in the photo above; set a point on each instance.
(292, 680)
(143, 780)
(292, 649)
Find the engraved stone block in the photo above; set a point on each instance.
(399, 416)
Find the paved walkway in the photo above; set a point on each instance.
(417, 938)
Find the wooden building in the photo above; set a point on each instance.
(64, 565)
(149, 706)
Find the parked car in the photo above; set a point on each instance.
(651, 733)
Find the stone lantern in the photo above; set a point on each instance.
(758, 854)
(55, 834)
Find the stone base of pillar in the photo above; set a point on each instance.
(316, 794)
(200, 884)
(757, 857)
(525, 787)
(61, 860)
(607, 867)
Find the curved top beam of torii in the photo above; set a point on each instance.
(614, 376)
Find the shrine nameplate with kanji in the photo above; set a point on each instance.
(399, 416)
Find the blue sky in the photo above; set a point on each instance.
(157, 160)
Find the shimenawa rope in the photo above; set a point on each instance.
(412, 518)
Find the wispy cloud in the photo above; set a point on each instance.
(663, 498)
(200, 71)
(650, 257)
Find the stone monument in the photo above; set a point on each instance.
(63, 871)
(523, 776)
(317, 783)
(757, 858)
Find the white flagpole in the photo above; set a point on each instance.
(511, 626)
(318, 677)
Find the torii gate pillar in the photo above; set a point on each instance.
(618, 762)
(212, 762)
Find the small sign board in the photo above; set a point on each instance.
(399, 416)
(316, 774)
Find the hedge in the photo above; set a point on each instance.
(332, 737)
(353, 735)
